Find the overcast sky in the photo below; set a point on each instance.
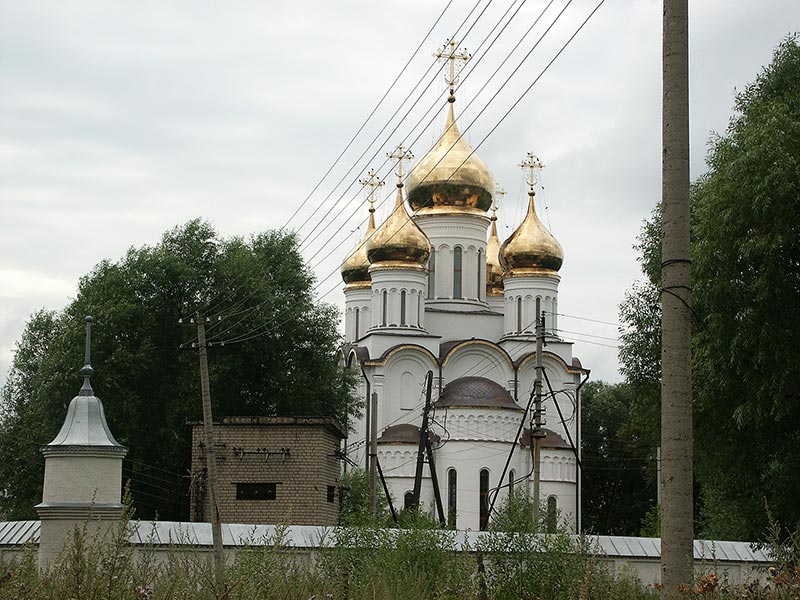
(119, 120)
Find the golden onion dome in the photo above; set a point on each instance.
(450, 177)
(494, 271)
(398, 243)
(531, 249)
(355, 270)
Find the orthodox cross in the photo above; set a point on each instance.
(401, 154)
(373, 183)
(532, 165)
(448, 52)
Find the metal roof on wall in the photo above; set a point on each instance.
(160, 533)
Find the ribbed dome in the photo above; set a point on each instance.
(476, 392)
(531, 249)
(398, 243)
(451, 177)
(355, 270)
(494, 271)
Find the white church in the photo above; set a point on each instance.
(432, 288)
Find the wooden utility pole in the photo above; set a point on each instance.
(423, 440)
(676, 299)
(537, 433)
(211, 455)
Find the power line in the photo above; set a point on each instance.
(614, 324)
(371, 114)
(261, 330)
(400, 106)
(466, 107)
(519, 99)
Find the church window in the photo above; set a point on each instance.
(419, 310)
(355, 337)
(519, 314)
(403, 307)
(384, 307)
(480, 260)
(484, 499)
(432, 274)
(457, 257)
(452, 487)
(331, 493)
(408, 500)
(552, 514)
(256, 491)
(511, 481)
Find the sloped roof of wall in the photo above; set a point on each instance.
(162, 533)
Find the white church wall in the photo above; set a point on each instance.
(468, 459)
(463, 325)
(447, 232)
(357, 314)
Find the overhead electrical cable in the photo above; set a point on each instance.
(432, 107)
(261, 330)
(371, 114)
(377, 136)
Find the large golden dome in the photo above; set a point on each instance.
(355, 270)
(399, 242)
(531, 249)
(451, 177)
(494, 271)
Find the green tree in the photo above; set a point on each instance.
(280, 359)
(746, 262)
(618, 440)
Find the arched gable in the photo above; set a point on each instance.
(416, 348)
(356, 355)
(403, 377)
(478, 358)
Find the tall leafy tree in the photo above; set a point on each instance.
(618, 441)
(279, 359)
(746, 262)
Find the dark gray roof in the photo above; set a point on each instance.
(404, 434)
(478, 392)
(550, 440)
(85, 424)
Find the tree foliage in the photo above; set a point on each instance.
(746, 277)
(618, 443)
(281, 359)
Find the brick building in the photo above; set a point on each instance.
(270, 470)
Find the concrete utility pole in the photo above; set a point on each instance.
(676, 299)
(211, 455)
(373, 455)
(536, 432)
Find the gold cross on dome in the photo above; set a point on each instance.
(373, 182)
(532, 165)
(401, 154)
(448, 53)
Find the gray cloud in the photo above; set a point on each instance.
(123, 119)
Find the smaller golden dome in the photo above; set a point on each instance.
(398, 243)
(355, 270)
(531, 249)
(494, 271)
(451, 177)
